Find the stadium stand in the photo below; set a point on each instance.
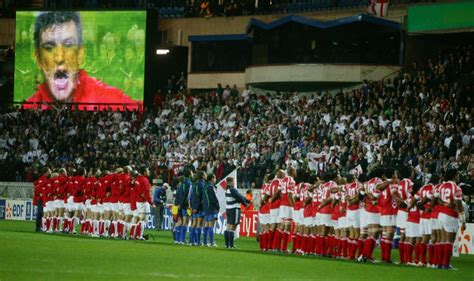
(420, 118)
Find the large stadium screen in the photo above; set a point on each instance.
(87, 58)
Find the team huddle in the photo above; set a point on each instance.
(103, 204)
(344, 218)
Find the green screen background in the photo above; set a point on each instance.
(120, 64)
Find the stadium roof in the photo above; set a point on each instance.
(322, 24)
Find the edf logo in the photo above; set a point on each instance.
(18, 210)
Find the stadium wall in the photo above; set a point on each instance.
(342, 73)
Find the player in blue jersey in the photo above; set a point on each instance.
(182, 202)
(195, 201)
(210, 205)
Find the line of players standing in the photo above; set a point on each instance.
(197, 209)
(344, 218)
(102, 204)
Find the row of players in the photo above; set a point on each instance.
(345, 218)
(103, 204)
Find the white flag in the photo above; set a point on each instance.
(221, 188)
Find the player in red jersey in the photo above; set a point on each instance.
(125, 186)
(316, 199)
(275, 235)
(403, 196)
(298, 217)
(372, 214)
(75, 206)
(39, 198)
(340, 225)
(424, 197)
(50, 204)
(354, 212)
(86, 224)
(264, 213)
(115, 203)
(95, 197)
(59, 191)
(326, 239)
(143, 204)
(412, 233)
(388, 212)
(437, 248)
(286, 190)
(451, 212)
(308, 240)
(107, 215)
(68, 199)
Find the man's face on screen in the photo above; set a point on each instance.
(59, 56)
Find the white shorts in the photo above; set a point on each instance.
(107, 207)
(448, 223)
(285, 213)
(58, 204)
(115, 207)
(298, 216)
(341, 223)
(324, 219)
(372, 218)
(264, 218)
(308, 221)
(425, 226)
(126, 209)
(412, 229)
(353, 218)
(95, 208)
(49, 206)
(142, 208)
(363, 218)
(389, 220)
(274, 216)
(435, 225)
(88, 204)
(70, 204)
(402, 218)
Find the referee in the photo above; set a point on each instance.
(233, 201)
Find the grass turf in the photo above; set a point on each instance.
(25, 255)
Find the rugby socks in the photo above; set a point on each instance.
(276, 240)
(226, 238)
(107, 228)
(197, 235)
(369, 246)
(408, 252)
(439, 249)
(132, 231)
(417, 253)
(386, 247)
(210, 231)
(344, 250)
(270, 239)
(205, 231)
(285, 236)
(431, 253)
(401, 251)
(182, 234)
(447, 252)
(66, 224)
(191, 235)
(231, 239)
(296, 242)
(176, 233)
(360, 246)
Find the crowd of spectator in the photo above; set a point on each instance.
(422, 118)
(194, 8)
